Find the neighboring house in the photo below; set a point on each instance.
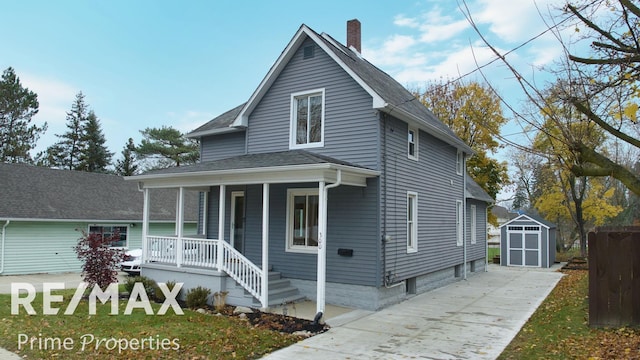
(334, 177)
(44, 211)
(502, 215)
(529, 241)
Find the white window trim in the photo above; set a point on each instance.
(459, 223)
(459, 162)
(474, 225)
(416, 141)
(292, 120)
(413, 228)
(289, 247)
(126, 246)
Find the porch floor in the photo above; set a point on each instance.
(307, 310)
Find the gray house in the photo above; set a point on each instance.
(528, 241)
(43, 212)
(331, 182)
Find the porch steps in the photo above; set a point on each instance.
(280, 291)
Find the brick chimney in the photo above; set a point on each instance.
(353, 35)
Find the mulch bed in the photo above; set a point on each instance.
(576, 263)
(276, 322)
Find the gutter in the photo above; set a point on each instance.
(4, 231)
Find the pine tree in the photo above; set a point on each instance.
(67, 153)
(127, 166)
(95, 157)
(18, 105)
(168, 147)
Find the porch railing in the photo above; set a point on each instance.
(204, 253)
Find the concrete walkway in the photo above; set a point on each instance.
(472, 319)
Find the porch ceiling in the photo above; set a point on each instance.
(282, 167)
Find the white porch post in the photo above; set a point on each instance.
(265, 246)
(180, 227)
(322, 249)
(145, 223)
(221, 212)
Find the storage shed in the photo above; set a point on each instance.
(528, 241)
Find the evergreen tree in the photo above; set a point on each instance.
(168, 147)
(95, 157)
(67, 153)
(127, 166)
(18, 105)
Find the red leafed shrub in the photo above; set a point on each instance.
(99, 260)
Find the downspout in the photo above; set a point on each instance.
(4, 231)
(486, 238)
(464, 215)
(322, 252)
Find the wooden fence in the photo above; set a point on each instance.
(614, 277)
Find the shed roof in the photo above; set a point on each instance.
(40, 193)
(539, 220)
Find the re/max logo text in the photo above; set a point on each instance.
(138, 299)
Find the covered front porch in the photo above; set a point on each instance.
(223, 254)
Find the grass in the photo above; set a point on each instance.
(491, 252)
(559, 329)
(189, 336)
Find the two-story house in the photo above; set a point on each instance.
(331, 182)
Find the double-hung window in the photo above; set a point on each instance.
(107, 231)
(472, 216)
(412, 143)
(459, 162)
(412, 221)
(459, 224)
(307, 119)
(302, 220)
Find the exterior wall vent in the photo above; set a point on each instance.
(309, 52)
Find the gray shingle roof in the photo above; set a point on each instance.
(254, 161)
(219, 122)
(32, 192)
(392, 92)
(474, 191)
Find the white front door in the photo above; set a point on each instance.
(237, 220)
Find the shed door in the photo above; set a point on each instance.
(524, 246)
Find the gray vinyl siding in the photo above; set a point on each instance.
(47, 246)
(222, 146)
(438, 186)
(478, 250)
(351, 129)
(352, 224)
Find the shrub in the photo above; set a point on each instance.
(197, 297)
(150, 286)
(99, 260)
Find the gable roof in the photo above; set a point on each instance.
(40, 193)
(541, 221)
(474, 191)
(218, 125)
(387, 94)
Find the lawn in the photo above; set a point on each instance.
(559, 329)
(170, 336)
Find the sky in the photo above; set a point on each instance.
(180, 63)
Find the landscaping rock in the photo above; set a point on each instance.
(242, 310)
(302, 333)
(201, 311)
(242, 316)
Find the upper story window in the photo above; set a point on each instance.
(459, 162)
(412, 143)
(302, 220)
(307, 119)
(106, 231)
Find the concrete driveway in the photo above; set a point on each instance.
(472, 319)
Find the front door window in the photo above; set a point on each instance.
(237, 220)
